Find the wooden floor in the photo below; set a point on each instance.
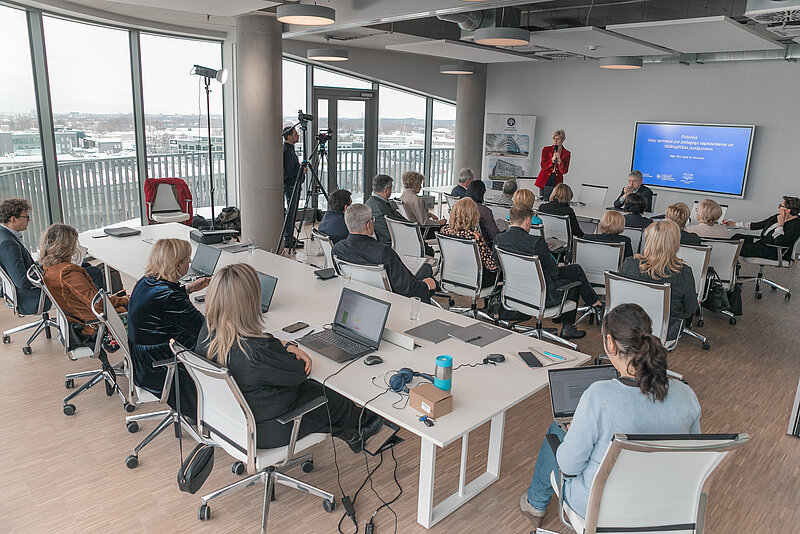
(67, 474)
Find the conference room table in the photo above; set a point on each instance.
(480, 394)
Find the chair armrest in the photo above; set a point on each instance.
(299, 412)
(781, 249)
(164, 363)
(567, 287)
(553, 441)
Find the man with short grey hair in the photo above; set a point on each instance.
(362, 249)
(635, 185)
(506, 199)
(465, 177)
(379, 203)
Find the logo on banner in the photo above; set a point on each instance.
(511, 121)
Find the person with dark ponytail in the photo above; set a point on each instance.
(643, 400)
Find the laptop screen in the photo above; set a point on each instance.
(268, 284)
(567, 386)
(205, 259)
(361, 317)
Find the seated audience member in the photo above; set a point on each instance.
(635, 185)
(609, 230)
(679, 214)
(635, 206)
(506, 199)
(465, 177)
(559, 205)
(68, 283)
(415, 207)
(272, 374)
(708, 215)
(332, 224)
(659, 263)
(379, 203)
(159, 310)
(476, 191)
(14, 257)
(517, 239)
(525, 198)
(643, 400)
(781, 229)
(361, 248)
(464, 223)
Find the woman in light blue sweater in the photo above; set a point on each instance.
(641, 401)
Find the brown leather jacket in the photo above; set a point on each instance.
(74, 290)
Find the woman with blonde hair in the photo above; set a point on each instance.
(272, 374)
(68, 282)
(526, 199)
(679, 214)
(554, 164)
(464, 223)
(160, 310)
(609, 230)
(559, 205)
(659, 263)
(708, 215)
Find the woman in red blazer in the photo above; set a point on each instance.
(555, 164)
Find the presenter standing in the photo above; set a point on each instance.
(555, 164)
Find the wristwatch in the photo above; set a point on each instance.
(293, 343)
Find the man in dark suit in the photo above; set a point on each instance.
(291, 166)
(332, 223)
(14, 257)
(379, 203)
(635, 185)
(465, 177)
(361, 248)
(782, 229)
(517, 239)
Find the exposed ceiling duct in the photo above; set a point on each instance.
(470, 21)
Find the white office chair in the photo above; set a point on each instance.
(556, 227)
(697, 259)
(224, 415)
(693, 214)
(785, 261)
(652, 297)
(680, 463)
(593, 195)
(372, 275)
(499, 212)
(75, 351)
(653, 204)
(524, 290)
(537, 230)
(724, 259)
(596, 258)
(406, 238)
(42, 325)
(326, 245)
(636, 235)
(451, 200)
(136, 395)
(165, 207)
(400, 207)
(461, 272)
(529, 184)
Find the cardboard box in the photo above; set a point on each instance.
(429, 400)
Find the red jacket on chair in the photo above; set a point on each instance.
(547, 166)
(151, 186)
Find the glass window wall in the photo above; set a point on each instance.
(401, 133)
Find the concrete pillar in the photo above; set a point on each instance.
(470, 113)
(259, 91)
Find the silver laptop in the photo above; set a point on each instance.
(357, 328)
(204, 262)
(567, 386)
(268, 284)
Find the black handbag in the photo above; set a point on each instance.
(717, 298)
(735, 300)
(195, 468)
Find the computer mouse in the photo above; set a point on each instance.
(373, 359)
(497, 358)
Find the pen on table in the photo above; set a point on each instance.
(304, 335)
(553, 355)
(470, 340)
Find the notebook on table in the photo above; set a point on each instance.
(268, 284)
(203, 263)
(121, 231)
(567, 386)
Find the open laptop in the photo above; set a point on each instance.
(567, 386)
(357, 328)
(204, 262)
(268, 284)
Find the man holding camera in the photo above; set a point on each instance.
(291, 167)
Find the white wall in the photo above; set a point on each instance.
(598, 109)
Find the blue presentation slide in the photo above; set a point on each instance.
(690, 157)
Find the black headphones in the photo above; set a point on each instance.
(398, 381)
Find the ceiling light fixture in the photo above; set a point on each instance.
(620, 63)
(457, 69)
(502, 36)
(306, 14)
(327, 54)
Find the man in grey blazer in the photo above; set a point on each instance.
(14, 257)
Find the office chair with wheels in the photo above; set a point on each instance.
(724, 259)
(697, 258)
(326, 245)
(224, 415)
(372, 275)
(557, 230)
(461, 273)
(165, 207)
(406, 237)
(593, 195)
(636, 235)
(785, 261)
(42, 325)
(680, 463)
(596, 258)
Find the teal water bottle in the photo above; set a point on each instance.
(444, 372)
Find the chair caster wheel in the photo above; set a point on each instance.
(758, 296)
(6, 339)
(451, 303)
(773, 288)
(788, 296)
(237, 468)
(204, 512)
(329, 506)
(700, 323)
(706, 346)
(307, 466)
(26, 351)
(732, 320)
(133, 427)
(69, 409)
(69, 383)
(130, 407)
(131, 461)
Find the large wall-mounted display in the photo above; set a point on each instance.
(704, 158)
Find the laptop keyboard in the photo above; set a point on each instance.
(339, 341)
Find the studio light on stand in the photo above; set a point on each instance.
(221, 75)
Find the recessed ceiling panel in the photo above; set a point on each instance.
(446, 48)
(696, 36)
(594, 42)
(229, 8)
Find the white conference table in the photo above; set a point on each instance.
(480, 395)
